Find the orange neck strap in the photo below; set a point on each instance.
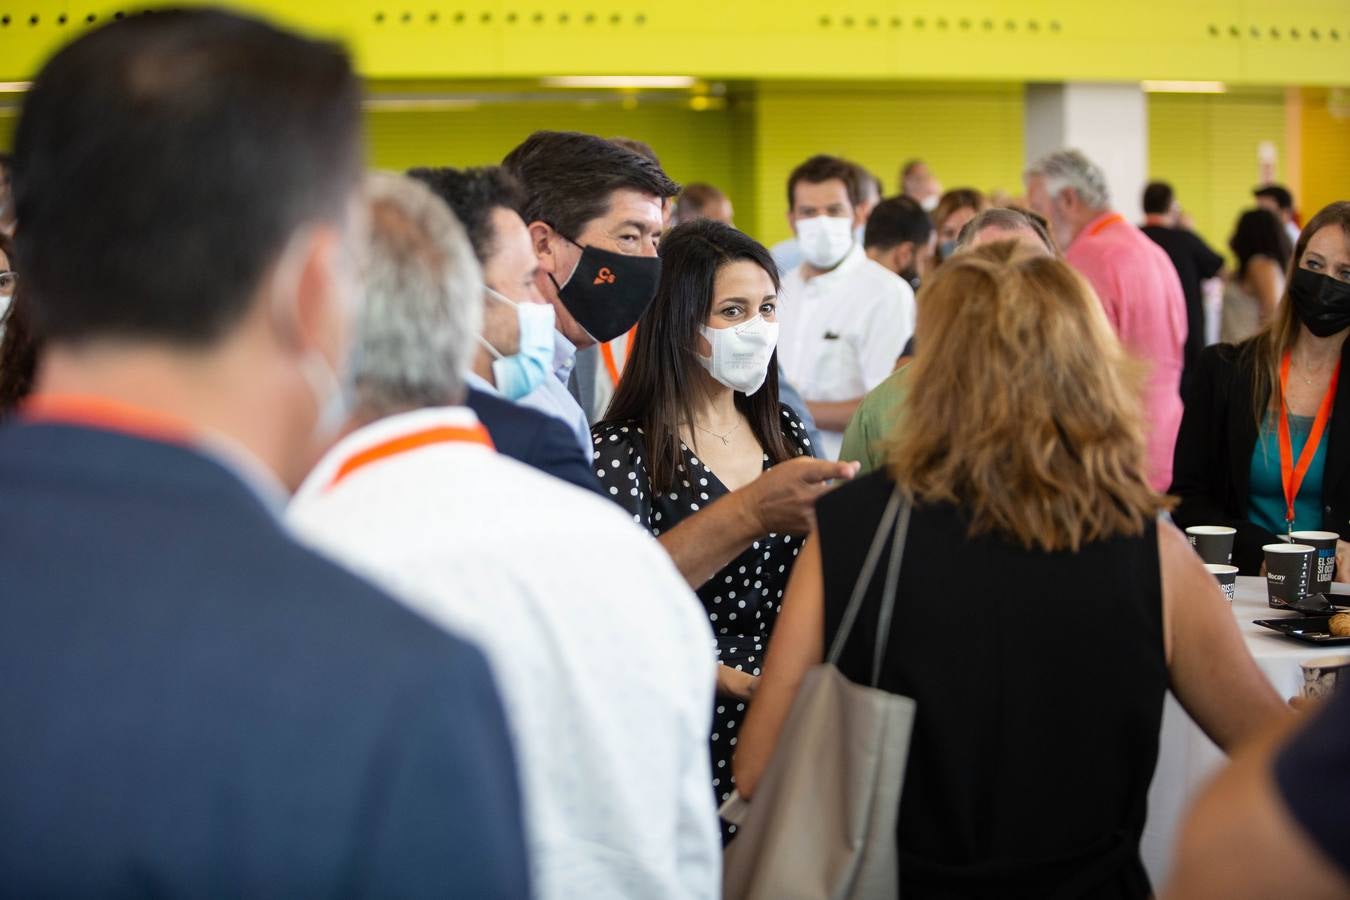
(106, 414)
(405, 443)
(1291, 473)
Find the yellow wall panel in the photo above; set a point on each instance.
(1326, 151)
(693, 146)
(1206, 146)
(970, 136)
(1249, 42)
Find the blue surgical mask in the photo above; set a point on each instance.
(520, 373)
(946, 250)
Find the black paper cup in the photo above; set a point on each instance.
(1227, 578)
(1320, 676)
(1214, 543)
(1325, 568)
(1289, 571)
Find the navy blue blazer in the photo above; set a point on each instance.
(534, 438)
(192, 704)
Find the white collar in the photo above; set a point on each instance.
(564, 356)
(479, 383)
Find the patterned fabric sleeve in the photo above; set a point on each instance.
(796, 433)
(617, 458)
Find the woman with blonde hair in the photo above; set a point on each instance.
(1039, 690)
(1264, 444)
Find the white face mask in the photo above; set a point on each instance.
(741, 353)
(825, 240)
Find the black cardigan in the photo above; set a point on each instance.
(1212, 465)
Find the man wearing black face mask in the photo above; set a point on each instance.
(594, 214)
(594, 211)
(900, 236)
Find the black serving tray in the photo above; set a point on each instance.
(1308, 629)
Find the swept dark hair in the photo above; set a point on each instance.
(895, 221)
(661, 377)
(1277, 192)
(1158, 198)
(1259, 232)
(820, 169)
(161, 164)
(568, 178)
(472, 195)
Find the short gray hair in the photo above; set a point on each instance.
(1010, 219)
(423, 301)
(1071, 169)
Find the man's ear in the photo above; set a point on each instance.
(311, 299)
(904, 256)
(542, 238)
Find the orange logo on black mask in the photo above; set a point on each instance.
(604, 276)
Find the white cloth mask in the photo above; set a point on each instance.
(825, 240)
(741, 353)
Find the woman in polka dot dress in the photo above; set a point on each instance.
(695, 417)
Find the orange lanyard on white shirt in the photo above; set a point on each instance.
(441, 434)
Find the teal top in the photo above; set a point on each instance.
(1266, 494)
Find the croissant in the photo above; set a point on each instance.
(1340, 624)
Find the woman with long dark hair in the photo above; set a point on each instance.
(1252, 294)
(18, 346)
(697, 416)
(1265, 442)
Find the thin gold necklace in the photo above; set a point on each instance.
(724, 438)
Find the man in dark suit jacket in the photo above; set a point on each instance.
(533, 438)
(192, 704)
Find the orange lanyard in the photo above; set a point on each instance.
(1105, 224)
(607, 353)
(106, 414)
(1291, 474)
(443, 434)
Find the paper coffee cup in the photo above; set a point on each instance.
(1321, 675)
(1214, 543)
(1227, 578)
(1325, 569)
(1289, 571)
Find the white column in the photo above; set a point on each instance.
(1108, 122)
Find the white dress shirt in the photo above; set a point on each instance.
(602, 653)
(841, 332)
(553, 397)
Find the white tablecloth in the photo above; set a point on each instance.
(1186, 758)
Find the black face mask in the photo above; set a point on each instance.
(609, 292)
(1321, 302)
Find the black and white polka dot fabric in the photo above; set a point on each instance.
(742, 600)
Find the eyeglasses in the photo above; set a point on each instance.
(7, 282)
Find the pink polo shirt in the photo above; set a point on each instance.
(1142, 297)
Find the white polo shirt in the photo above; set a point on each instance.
(840, 333)
(603, 655)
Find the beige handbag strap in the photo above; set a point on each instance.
(896, 508)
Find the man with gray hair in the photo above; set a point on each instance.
(608, 692)
(1136, 282)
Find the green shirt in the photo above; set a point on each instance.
(876, 422)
